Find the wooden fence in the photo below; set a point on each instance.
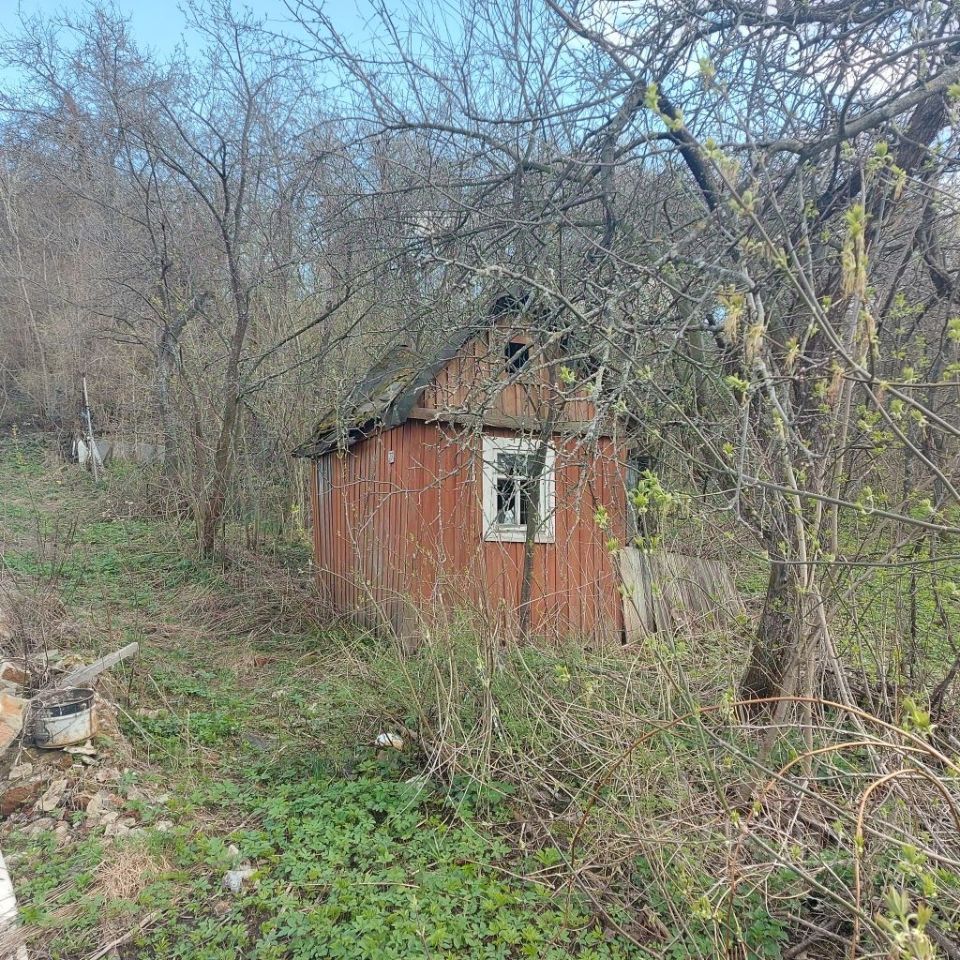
(664, 591)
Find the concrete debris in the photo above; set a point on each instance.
(121, 827)
(101, 802)
(41, 791)
(234, 880)
(43, 825)
(163, 826)
(53, 796)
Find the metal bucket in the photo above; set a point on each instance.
(64, 717)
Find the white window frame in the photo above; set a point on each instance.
(516, 533)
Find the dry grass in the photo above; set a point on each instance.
(128, 870)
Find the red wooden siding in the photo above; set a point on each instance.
(476, 380)
(401, 526)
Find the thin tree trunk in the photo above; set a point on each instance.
(774, 638)
(530, 540)
(166, 364)
(211, 511)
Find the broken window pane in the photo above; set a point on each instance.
(516, 354)
(507, 500)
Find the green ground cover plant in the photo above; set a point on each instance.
(353, 857)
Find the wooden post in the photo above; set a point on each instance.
(94, 451)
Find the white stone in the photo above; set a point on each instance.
(233, 880)
(51, 799)
(392, 740)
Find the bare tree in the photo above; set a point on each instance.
(736, 206)
(214, 171)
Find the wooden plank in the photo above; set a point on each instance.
(84, 675)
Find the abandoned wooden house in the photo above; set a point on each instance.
(478, 477)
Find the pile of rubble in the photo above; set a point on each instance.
(53, 779)
(45, 780)
(43, 791)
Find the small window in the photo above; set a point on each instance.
(514, 495)
(518, 492)
(517, 355)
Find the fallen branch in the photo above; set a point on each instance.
(124, 937)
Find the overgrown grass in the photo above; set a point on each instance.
(692, 830)
(548, 801)
(377, 868)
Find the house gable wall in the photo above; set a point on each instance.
(477, 381)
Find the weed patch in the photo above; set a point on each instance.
(373, 869)
(548, 801)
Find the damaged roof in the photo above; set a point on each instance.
(385, 397)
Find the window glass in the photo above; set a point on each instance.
(518, 489)
(517, 354)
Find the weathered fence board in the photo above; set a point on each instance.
(664, 590)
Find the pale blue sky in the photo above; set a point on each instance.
(159, 24)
